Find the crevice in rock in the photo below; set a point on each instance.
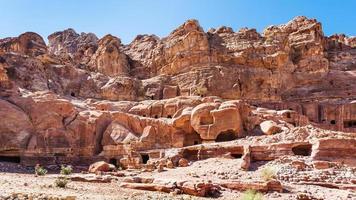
(12, 159)
(302, 150)
(66, 124)
(226, 136)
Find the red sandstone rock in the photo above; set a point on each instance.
(321, 164)
(183, 162)
(100, 166)
(263, 187)
(82, 99)
(269, 127)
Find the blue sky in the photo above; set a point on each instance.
(127, 18)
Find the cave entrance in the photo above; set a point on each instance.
(12, 159)
(302, 150)
(191, 139)
(236, 155)
(113, 161)
(350, 124)
(145, 157)
(72, 94)
(226, 136)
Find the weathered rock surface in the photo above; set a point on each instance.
(161, 103)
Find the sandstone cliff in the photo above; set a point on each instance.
(80, 97)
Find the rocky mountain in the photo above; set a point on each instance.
(81, 99)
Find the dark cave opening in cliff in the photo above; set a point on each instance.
(145, 158)
(302, 150)
(236, 155)
(12, 159)
(350, 124)
(113, 161)
(72, 94)
(226, 136)
(191, 139)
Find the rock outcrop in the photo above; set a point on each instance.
(82, 99)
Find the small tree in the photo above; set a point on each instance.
(66, 170)
(268, 173)
(61, 182)
(40, 171)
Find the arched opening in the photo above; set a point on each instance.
(145, 157)
(169, 116)
(156, 116)
(226, 136)
(72, 94)
(113, 161)
(191, 139)
(333, 122)
(302, 150)
(12, 159)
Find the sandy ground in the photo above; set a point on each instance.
(214, 169)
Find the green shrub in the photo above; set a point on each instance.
(40, 171)
(61, 182)
(251, 195)
(66, 170)
(268, 173)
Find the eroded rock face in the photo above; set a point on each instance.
(28, 43)
(211, 119)
(84, 99)
(15, 128)
(108, 58)
(68, 43)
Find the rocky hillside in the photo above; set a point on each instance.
(287, 93)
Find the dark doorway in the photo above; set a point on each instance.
(350, 124)
(302, 150)
(145, 158)
(72, 94)
(236, 155)
(191, 139)
(12, 159)
(113, 161)
(226, 136)
(333, 122)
